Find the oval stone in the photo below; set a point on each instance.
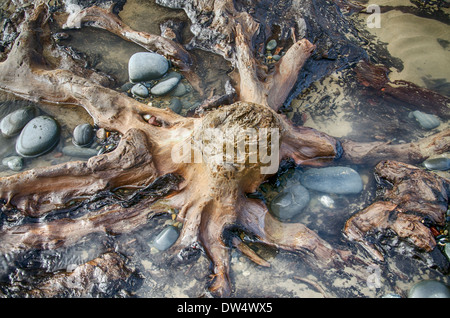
(74, 151)
(146, 66)
(175, 105)
(271, 45)
(180, 90)
(437, 163)
(13, 123)
(339, 180)
(166, 238)
(39, 136)
(276, 57)
(14, 163)
(83, 135)
(290, 202)
(126, 87)
(429, 289)
(139, 90)
(165, 86)
(427, 121)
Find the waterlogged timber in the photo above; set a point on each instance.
(168, 164)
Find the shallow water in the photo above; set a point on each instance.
(420, 42)
(343, 113)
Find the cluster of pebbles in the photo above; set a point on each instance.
(296, 193)
(32, 134)
(152, 80)
(273, 52)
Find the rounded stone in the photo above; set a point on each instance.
(437, 164)
(39, 136)
(339, 180)
(290, 202)
(74, 151)
(83, 135)
(276, 57)
(429, 289)
(165, 86)
(139, 90)
(166, 238)
(180, 90)
(14, 163)
(13, 123)
(271, 45)
(175, 105)
(126, 87)
(427, 121)
(146, 66)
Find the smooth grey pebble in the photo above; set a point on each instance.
(39, 136)
(166, 238)
(146, 66)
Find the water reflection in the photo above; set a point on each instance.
(419, 40)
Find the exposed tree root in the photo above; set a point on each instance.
(209, 193)
(413, 152)
(414, 200)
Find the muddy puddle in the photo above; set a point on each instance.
(332, 105)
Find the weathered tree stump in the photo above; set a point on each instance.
(210, 194)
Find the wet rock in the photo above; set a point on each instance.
(172, 75)
(437, 163)
(14, 163)
(140, 90)
(13, 123)
(83, 135)
(276, 57)
(339, 180)
(326, 201)
(166, 85)
(429, 289)
(175, 105)
(290, 202)
(126, 87)
(427, 121)
(166, 238)
(74, 151)
(271, 45)
(146, 66)
(39, 136)
(180, 90)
